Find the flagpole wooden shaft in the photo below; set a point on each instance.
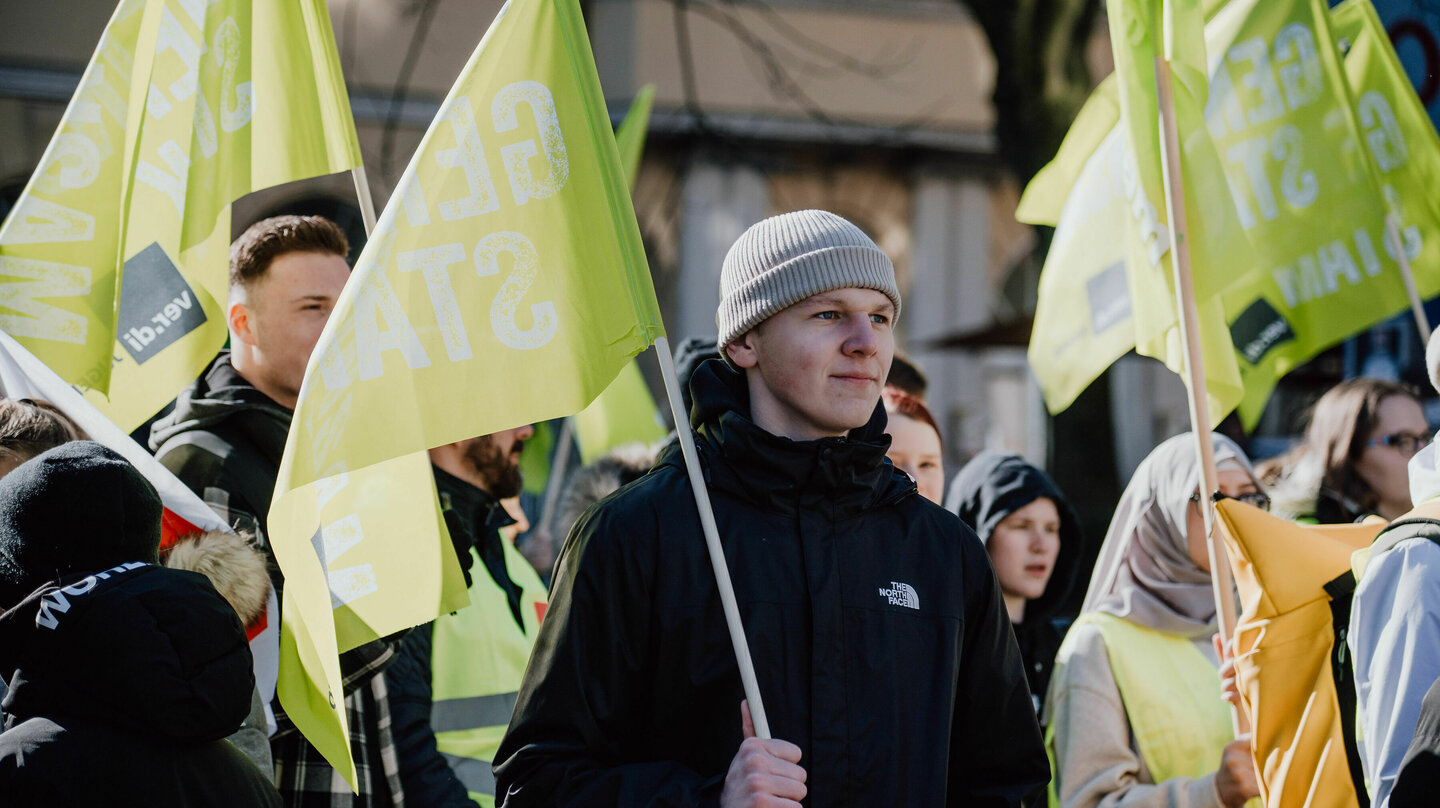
(367, 202)
(1222, 583)
(1417, 308)
(712, 539)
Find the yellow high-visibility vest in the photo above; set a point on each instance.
(1171, 693)
(477, 660)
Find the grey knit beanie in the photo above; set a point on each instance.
(782, 260)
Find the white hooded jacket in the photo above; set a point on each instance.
(1395, 638)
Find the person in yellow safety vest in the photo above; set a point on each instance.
(453, 686)
(1135, 716)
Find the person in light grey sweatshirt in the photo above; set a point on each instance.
(1394, 632)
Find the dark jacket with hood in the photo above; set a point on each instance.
(989, 488)
(123, 686)
(225, 440)
(879, 637)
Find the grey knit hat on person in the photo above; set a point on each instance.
(782, 260)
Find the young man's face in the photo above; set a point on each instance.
(287, 309)
(815, 369)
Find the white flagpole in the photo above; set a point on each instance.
(712, 539)
(1417, 308)
(367, 203)
(1222, 583)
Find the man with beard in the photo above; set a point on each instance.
(453, 686)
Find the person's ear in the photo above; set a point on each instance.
(742, 350)
(241, 324)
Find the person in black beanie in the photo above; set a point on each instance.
(124, 677)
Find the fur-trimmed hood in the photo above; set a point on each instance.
(235, 567)
(600, 479)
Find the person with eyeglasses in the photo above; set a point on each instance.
(1135, 716)
(1352, 460)
(1394, 633)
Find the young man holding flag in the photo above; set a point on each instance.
(225, 439)
(879, 635)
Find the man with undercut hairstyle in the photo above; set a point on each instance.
(225, 441)
(884, 655)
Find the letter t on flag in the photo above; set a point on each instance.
(505, 283)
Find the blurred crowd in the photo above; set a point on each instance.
(593, 666)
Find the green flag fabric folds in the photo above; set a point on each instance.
(1099, 299)
(1307, 142)
(114, 263)
(505, 283)
(1298, 162)
(625, 412)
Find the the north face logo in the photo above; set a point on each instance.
(901, 595)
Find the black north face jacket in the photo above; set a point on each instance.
(880, 640)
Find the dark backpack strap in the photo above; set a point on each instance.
(1407, 527)
(1342, 592)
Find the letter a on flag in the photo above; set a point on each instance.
(114, 262)
(505, 284)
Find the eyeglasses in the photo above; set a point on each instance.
(1407, 442)
(1255, 498)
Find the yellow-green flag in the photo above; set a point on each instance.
(1340, 275)
(1107, 285)
(625, 412)
(1083, 319)
(114, 263)
(1048, 191)
(505, 283)
(1281, 112)
(1142, 31)
(630, 136)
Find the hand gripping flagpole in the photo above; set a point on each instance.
(1221, 580)
(712, 539)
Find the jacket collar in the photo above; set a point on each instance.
(479, 509)
(219, 395)
(840, 477)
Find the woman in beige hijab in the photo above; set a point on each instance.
(1135, 711)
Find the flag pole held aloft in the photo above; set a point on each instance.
(712, 539)
(367, 202)
(1221, 580)
(1417, 308)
